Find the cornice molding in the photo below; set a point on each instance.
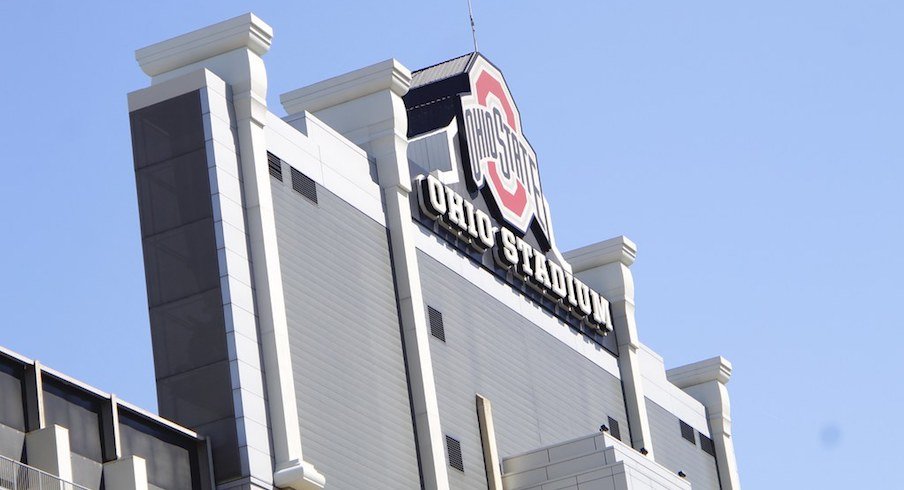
(385, 75)
(618, 249)
(245, 31)
(714, 369)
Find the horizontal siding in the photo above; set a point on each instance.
(678, 454)
(345, 342)
(542, 391)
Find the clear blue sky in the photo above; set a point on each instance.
(753, 150)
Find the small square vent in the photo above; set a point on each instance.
(706, 444)
(453, 447)
(275, 165)
(436, 323)
(687, 432)
(614, 431)
(304, 185)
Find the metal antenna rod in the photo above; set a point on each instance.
(473, 29)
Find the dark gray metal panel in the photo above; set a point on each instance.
(542, 391)
(12, 410)
(180, 255)
(75, 413)
(346, 346)
(441, 71)
(168, 465)
(678, 454)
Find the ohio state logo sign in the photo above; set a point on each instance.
(500, 157)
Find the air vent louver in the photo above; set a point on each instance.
(614, 431)
(437, 329)
(706, 444)
(304, 185)
(275, 165)
(687, 432)
(453, 447)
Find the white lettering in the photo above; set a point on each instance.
(484, 230)
(431, 196)
(557, 276)
(456, 213)
(527, 253)
(507, 253)
(462, 218)
(583, 294)
(541, 272)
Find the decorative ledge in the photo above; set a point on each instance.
(244, 31)
(715, 369)
(389, 74)
(618, 249)
(301, 475)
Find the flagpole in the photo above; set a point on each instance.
(473, 28)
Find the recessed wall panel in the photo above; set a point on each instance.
(346, 346)
(542, 391)
(677, 453)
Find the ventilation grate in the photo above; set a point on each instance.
(275, 165)
(687, 432)
(436, 323)
(304, 185)
(706, 444)
(614, 431)
(453, 447)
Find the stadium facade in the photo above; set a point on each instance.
(367, 293)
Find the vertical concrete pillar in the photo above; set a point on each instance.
(109, 430)
(126, 474)
(233, 51)
(48, 450)
(34, 397)
(605, 266)
(706, 381)
(488, 442)
(366, 107)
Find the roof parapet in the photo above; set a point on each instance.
(714, 369)
(389, 74)
(618, 249)
(244, 31)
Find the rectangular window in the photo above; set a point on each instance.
(77, 411)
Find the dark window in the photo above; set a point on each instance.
(613, 428)
(453, 446)
(77, 411)
(171, 457)
(275, 165)
(304, 185)
(687, 432)
(707, 445)
(12, 408)
(436, 323)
